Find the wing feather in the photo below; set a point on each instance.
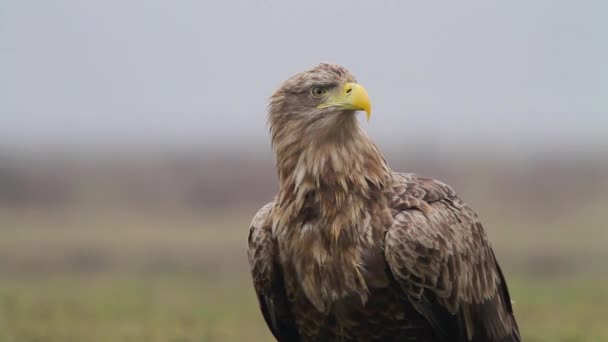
(439, 254)
(267, 278)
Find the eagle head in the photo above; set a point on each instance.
(316, 102)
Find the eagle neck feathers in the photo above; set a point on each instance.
(330, 189)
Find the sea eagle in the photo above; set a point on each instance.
(350, 250)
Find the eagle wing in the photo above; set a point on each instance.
(438, 253)
(267, 277)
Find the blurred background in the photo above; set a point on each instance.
(134, 151)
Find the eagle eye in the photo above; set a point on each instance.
(318, 91)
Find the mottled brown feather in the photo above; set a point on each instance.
(268, 278)
(440, 256)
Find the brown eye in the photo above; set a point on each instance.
(318, 91)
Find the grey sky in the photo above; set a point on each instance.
(510, 73)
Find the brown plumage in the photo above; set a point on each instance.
(350, 250)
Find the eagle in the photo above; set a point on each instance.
(350, 250)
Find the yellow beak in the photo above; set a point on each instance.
(351, 97)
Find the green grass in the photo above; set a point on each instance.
(116, 276)
(128, 308)
(561, 309)
(115, 307)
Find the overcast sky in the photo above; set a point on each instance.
(513, 74)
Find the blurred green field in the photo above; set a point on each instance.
(107, 276)
(118, 307)
(157, 251)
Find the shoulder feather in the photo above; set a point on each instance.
(439, 254)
